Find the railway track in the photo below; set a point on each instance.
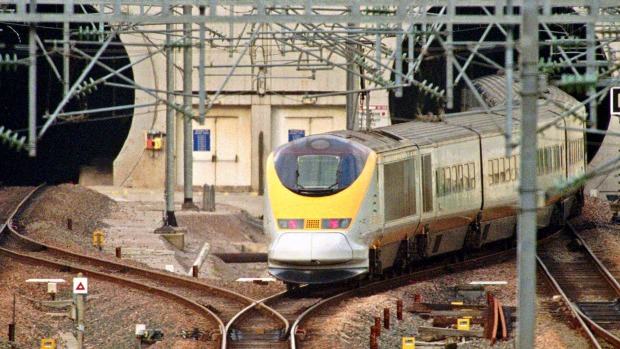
(216, 305)
(590, 291)
(304, 307)
(235, 321)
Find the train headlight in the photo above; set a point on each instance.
(290, 223)
(335, 223)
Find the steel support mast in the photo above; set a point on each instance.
(526, 220)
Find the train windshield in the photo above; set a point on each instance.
(319, 165)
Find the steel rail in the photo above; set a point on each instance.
(399, 281)
(204, 311)
(589, 326)
(599, 265)
(150, 274)
(576, 314)
(257, 304)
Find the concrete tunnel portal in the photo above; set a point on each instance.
(77, 141)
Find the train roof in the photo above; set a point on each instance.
(455, 127)
(460, 126)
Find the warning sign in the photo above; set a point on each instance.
(80, 285)
(377, 115)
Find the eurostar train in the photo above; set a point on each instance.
(354, 204)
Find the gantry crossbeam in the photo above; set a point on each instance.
(301, 11)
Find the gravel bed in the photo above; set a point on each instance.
(114, 313)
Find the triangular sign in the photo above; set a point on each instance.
(80, 287)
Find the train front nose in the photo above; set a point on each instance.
(311, 248)
(312, 257)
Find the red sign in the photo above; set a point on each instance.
(80, 285)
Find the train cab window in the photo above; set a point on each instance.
(320, 165)
(317, 171)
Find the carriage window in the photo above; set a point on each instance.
(440, 181)
(539, 161)
(455, 179)
(427, 184)
(466, 177)
(455, 185)
(472, 176)
(496, 171)
(502, 173)
(490, 169)
(508, 172)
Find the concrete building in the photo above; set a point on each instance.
(263, 104)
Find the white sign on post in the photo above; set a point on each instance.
(80, 285)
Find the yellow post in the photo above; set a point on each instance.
(408, 343)
(98, 239)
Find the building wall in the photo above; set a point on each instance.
(257, 110)
(134, 166)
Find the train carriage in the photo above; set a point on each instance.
(349, 204)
